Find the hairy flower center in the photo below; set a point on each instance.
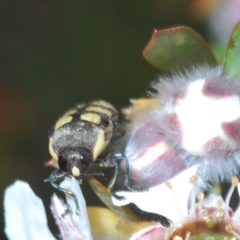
(201, 116)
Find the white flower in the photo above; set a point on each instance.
(72, 225)
(210, 217)
(25, 216)
(169, 199)
(195, 121)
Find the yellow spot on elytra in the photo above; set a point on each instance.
(193, 179)
(100, 144)
(91, 117)
(63, 121)
(103, 104)
(235, 181)
(70, 112)
(53, 154)
(75, 171)
(99, 109)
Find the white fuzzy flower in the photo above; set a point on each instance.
(196, 121)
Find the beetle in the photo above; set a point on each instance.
(78, 138)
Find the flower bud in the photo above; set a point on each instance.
(196, 121)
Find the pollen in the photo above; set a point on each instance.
(219, 203)
(169, 185)
(235, 181)
(207, 218)
(220, 213)
(200, 196)
(202, 210)
(229, 228)
(193, 179)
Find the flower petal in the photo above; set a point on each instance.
(67, 228)
(106, 224)
(72, 226)
(162, 200)
(25, 216)
(153, 232)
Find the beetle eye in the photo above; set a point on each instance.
(104, 123)
(62, 163)
(86, 160)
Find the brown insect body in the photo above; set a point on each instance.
(81, 134)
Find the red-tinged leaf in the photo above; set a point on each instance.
(178, 48)
(232, 62)
(104, 195)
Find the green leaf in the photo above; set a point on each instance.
(104, 195)
(177, 49)
(232, 63)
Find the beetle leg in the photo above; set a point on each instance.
(59, 175)
(111, 160)
(98, 174)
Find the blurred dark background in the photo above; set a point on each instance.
(55, 54)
